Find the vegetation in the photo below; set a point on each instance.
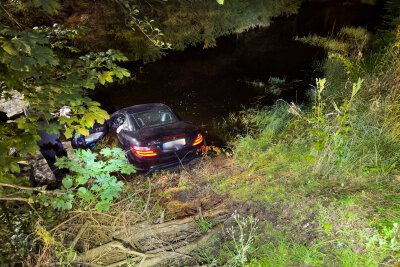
(322, 179)
(328, 173)
(147, 30)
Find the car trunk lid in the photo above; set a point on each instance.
(168, 138)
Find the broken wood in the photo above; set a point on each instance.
(156, 244)
(83, 229)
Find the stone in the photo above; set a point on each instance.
(41, 172)
(13, 106)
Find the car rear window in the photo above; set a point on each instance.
(153, 118)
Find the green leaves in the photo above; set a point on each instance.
(44, 56)
(50, 6)
(15, 144)
(41, 65)
(97, 62)
(9, 48)
(50, 81)
(62, 202)
(24, 50)
(68, 181)
(105, 76)
(85, 194)
(121, 72)
(104, 187)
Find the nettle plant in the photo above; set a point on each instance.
(93, 181)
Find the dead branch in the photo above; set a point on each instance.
(83, 229)
(162, 216)
(11, 17)
(14, 199)
(201, 212)
(37, 189)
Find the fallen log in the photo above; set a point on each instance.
(156, 244)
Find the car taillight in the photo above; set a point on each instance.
(143, 151)
(198, 140)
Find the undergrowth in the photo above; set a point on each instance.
(326, 175)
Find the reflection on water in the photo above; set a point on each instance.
(205, 85)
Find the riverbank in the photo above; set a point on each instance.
(313, 186)
(302, 184)
(325, 179)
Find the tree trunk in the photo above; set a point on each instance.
(165, 244)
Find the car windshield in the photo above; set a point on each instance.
(155, 117)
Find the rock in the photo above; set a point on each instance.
(41, 172)
(12, 106)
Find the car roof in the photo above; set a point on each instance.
(142, 107)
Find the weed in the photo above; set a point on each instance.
(203, 224)
(387, 238)
(283, 252)
(243, 237)
(206, 256)
(53, 248)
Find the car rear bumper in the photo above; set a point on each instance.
(166, 161)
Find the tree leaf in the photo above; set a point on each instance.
(121, 72)
(67, 181)
(9, 48)
(50, 6)
(103, 205)
(44, 56)
(105, 76)
(85, 194)
(22, 46)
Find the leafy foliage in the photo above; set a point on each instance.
(50, 6)
(387, 238)
(42, 64)
(150, 27)
(25, 144)
(93, 180)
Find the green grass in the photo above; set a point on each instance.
(327, 176)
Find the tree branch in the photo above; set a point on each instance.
(133, 19)
(11, 17)
(37, 189)
(14, 199)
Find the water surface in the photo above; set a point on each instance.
(205, 85)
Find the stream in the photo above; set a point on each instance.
(205, 85)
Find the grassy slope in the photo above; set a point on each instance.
(326, 183)
(323, 180)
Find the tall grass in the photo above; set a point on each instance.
(264, 128)
(338, 157)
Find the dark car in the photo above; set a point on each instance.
(153, 137)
